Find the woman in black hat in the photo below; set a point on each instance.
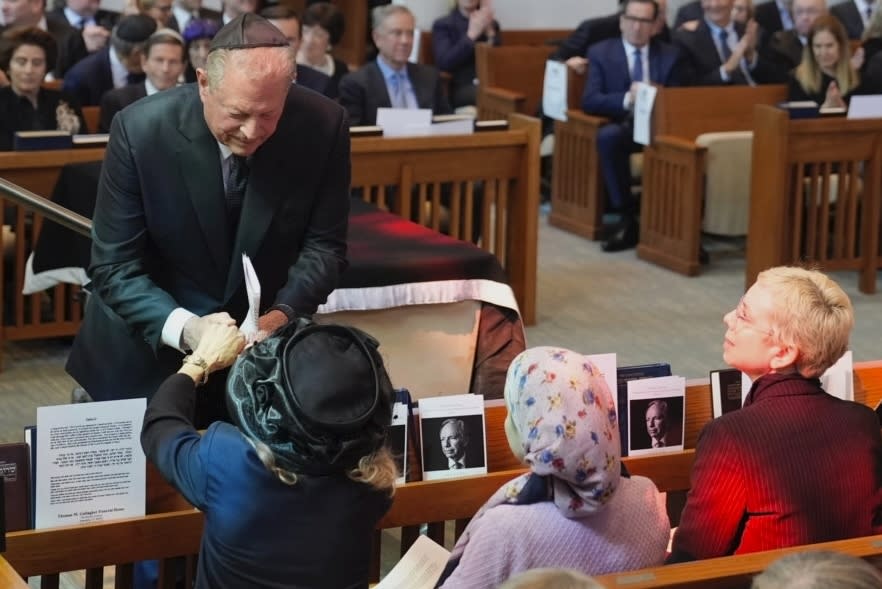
(293, 492)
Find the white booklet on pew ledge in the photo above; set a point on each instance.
(404, 122)
(419, 568)
(90, 463)
(656, 408)
(452, 435)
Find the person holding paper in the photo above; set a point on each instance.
(574, 508)
(794, 465)
(293, 489)
(241, 162)
(391, 81)
(618, 67)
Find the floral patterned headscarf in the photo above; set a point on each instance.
(561, 409)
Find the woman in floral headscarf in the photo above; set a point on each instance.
(26, 54)
(574, 509)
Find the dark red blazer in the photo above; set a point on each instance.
(793, 466)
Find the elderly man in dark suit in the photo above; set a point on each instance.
(719, 51)
(794, 465)
(391, 81)
(617, 67)
(242, 162)
(784, 49)
(112, 67)
(854, 15)
(163, 63)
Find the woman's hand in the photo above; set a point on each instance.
(834, 97)
(218, 347)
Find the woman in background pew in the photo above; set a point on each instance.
(795, 465)
(574, 509)
(293, 492)
(826, 74)
(26, 54)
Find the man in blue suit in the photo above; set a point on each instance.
(617, 68)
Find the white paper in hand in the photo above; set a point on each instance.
(252, 287)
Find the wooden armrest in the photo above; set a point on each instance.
(577, 116)
(498, 92)
(676, 143)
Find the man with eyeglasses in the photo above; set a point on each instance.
(794, 465)
(391, 81)
(618, 67)
(719, 51)
(784, 49)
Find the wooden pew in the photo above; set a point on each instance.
(510, 79)
(92, 116)
(815, 194)
(673, 166)
(173, 529)
(9, 577)
(733, 572)
(506, 162)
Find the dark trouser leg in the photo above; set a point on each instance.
(614, 148)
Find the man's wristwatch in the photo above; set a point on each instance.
(201, 363)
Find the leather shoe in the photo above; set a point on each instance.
(625, 238)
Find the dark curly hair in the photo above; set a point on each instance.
(15, 37)
(326, 16)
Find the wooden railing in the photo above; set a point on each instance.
(816, 194)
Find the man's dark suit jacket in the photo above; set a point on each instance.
(363, 91)
(687, 12)
(700, 62)
(768, 17)
(117, 99)
(103, 18)
(794, 466)
(71, 47)
(316, 81)
(204, 13)
(591, 31)
(609, 78)
(89, 79)
(850, 17)
(783, 52)
(160, 238)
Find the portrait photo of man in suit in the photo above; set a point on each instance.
(661, 425)
(454, 441)
(453, 445)
(242, 162)
(657, 423)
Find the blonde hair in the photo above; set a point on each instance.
(377, 470)
(808, 72)
(283, 66)
(817, 569)
(812, 313)
(549, 578)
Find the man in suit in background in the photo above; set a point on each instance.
(242, 162)
(32, 13)
(775, 16)
(617, 68)
(86, 16)
(183, 11)
(854, 15)
(784, 49)
(115, 66)
(720, 51)
(163, 63)
(391, 81)
(687, 13)
(288, 21)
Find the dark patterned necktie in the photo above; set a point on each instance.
(724, 45)
(237, 182)
(637, 70)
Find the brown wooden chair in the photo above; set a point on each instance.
(510, 79)
(92, 116)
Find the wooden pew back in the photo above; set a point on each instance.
(510, 79)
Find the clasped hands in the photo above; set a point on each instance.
(216, 339)
(745, 49)
(481, 22)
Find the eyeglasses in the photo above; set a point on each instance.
(638, 20)
(743, 322)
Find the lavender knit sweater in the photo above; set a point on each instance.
(630, 532)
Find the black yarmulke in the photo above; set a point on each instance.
(135, 28)
(248, 31)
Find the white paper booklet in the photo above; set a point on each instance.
(643, 105)
(452, 435)
(419, 568)
(554, 90)
(656, 411)
(91, 466)
(398, 440)
(252, 287)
